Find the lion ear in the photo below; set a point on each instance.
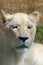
(34, 17)
(5, 16)
(36, 14)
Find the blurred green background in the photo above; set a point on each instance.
(26, 6)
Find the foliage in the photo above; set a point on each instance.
(39, 34)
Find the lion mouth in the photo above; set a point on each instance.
(21, 47)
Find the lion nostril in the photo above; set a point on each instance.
(23, 38)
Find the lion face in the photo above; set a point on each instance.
(20, 30)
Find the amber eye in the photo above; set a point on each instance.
(29, 27)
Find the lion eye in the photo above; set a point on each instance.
(29, 27)
(14, 27)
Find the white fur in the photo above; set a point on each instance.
(9, 55)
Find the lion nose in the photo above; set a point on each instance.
(23, 38)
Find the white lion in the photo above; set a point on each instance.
(17, 45)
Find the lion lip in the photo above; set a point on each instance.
(21, 47)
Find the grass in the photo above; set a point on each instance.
(39, 34)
